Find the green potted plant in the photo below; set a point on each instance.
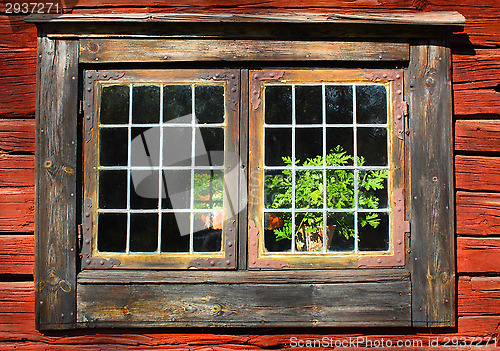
(309, 190)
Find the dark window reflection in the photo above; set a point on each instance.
(175, 232)
(277, 232)
(112, 232)
(115, 104)
(177, 103)
(210, 149)
(278, 100)
(146, 104)
(209, 103)
(372, 146)
(144, 189)
(340, 231)
(308, 104)
(373, 231)
(113, 146)
(176, 189)
(112, 189)
(343, 137)
(143, 232)
(371, 104)
(338, 104)
(278, 144)
(207, 236)
(308, 144)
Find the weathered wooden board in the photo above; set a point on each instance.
(478, 213)
(470, 102)
(477, 173)
(244, 304)
(477, 135)
(17, 209)
(17, 136)
(17, 171)
(17, 254)
(477, 67)
(171, 50)
(478, 296)
(478, 255)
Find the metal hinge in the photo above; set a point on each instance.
(79, 233)
(80, 107)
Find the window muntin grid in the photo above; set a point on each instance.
(157, 131)
(294, 211)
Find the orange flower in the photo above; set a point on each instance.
(213, 221)
(274, 222)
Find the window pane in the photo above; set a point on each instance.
(209, 104)
(145, 147)
(144, 189)
(176, 189)
(340, 229)
(308, 104)
(278, 100)
(373, 231)
(309, 189)
(309, 231)
(338, 104)
(114, 104)
(175, 232)
(112, 232)
(371, 104)
(278, 144)
(177, 146)
(278, 231)
(339, 146)
(372, 146)
(143, 232)
(210, 147)
(340, 188)
(112, 189)
(207, 235)
(146, 104)
(373, 189)
(113, 146)
(278, 189)
(177, 104)
(309, 145)
(208, 189)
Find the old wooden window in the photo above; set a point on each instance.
(247, 174)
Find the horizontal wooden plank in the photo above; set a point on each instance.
(17, 171)
(477, 135)
(470, 102)
(17, 254)
(478, 213)
(244, 304)
(478, 255)
(165, 50)
(478, 296)
(477, 173)
(17, 210)
(17, 310)
(17, 136)
(478, 66)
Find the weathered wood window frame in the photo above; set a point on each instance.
(422, 292)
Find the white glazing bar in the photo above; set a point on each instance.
(129, 161)
(356, 171)
(151, 168)
(319, 168)
(160, 175)
(193, 154)
(325, 213)
(155, 210)
(298, 126)
(293, 168)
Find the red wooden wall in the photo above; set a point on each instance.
(476, 85)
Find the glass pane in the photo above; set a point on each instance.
(373, 231)
(278, 232)
(209, 147)
(309, 189)
(207, 236)
(309, 231)
(145, 147)
(208, 189)
(278, 104)
(278, 144)
(339, 146)
(176, 189)
(146, 104)
(177, 146)
(115, 104)
(112, 189)
(308, 104)
(143, 232)
(340, 229)
(340, 188)
(112, 232)
(209, 103)
(372, 147)
(175, 229)
(278, 189)
(338, 104)
(309, 146)
(177, 104)
(144, 189)
(371, 104)
(113, 146)
(372, 189)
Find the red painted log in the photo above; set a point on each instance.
(478, 213)
(478, 296)
(17, 135)
(470, 102)
(17, 170)
(477, 135)
(17, 254)
(17, 207)
(476, 68)
(478, 255)
(477, 173)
